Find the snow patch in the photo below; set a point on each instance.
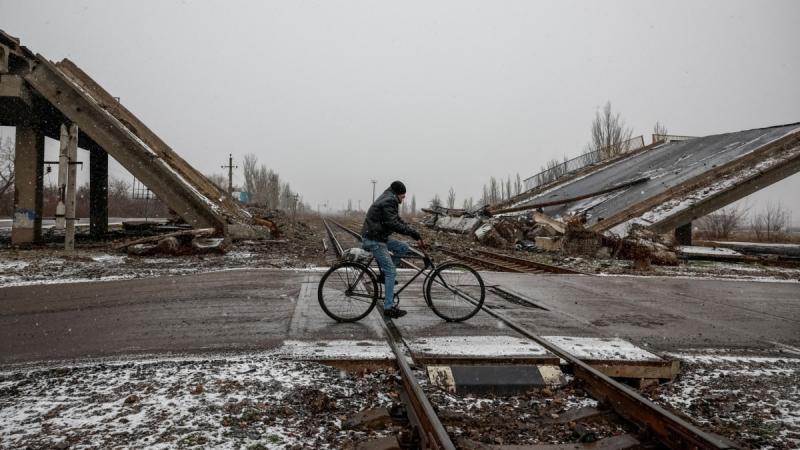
(606, 349)
(477, 346)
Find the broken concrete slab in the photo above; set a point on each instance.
(243, 232)
(487, 235)
(462, 225)
(557, 225)
(549, 244)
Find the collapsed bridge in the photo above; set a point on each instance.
(37, 96)
(667, 185)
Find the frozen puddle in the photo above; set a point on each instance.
(602, 349)
(336, 350)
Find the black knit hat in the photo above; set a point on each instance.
(398, 187)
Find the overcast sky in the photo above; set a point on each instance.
(332, 94)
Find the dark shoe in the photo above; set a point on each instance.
(394, 313)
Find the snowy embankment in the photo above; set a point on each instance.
(252, 401)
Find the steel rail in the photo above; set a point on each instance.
(528, 263)
(669, 429)
(492, 265)
(422, 416)
(335, 242)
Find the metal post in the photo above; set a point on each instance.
(373, 189)
(69, 210)
(63, 166)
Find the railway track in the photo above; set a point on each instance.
(651, 419)
(429, 429)
(505, 263)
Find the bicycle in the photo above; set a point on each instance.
(349, 290)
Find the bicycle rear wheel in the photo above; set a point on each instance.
(348, 292)
(455, 292)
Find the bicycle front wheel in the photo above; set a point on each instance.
(455, 292)
(348, 292)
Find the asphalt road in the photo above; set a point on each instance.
(259, 309)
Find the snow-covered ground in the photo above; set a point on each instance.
(244, 401)
(753, 399)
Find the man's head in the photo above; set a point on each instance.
(399, 189)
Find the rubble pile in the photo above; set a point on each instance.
(186, 242)
(538, 232)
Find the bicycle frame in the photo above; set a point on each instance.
(428, 267)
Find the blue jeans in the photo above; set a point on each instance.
(387, 262)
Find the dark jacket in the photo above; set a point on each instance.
(382, 219)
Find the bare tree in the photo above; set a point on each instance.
(436, 202)
(494, 191)
(659, 132)
(6, 165)
(264, 185)
(118, 189)
(451, 198)
(468, 204)
(609, 133)
(518, 185)
(220, 180)
(413, 205)
(771, 223)
(721, 223)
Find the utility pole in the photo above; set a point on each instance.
(373, 189)
(230, 168)
(294, 206)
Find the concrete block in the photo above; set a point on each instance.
(461, 225)
(487, 235)
(549, 244)
(557, 225)
(241, 232)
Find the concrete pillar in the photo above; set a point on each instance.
(29, 168)
(683, 234)
(72, 185)
(98, 192)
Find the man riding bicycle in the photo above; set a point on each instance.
(381, 221)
